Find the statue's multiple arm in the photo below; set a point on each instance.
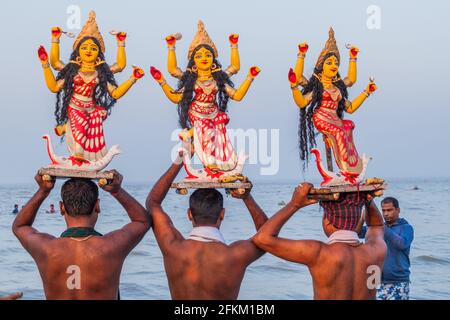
(171, 94)
(52, 84)
(352, 106)
(172, 66)
(239, 93)
(58, 65)
(121, 58)
(300, 100)
(121, 90)
(235, 64)
(299, 65)
(352, 70)
(55, 62)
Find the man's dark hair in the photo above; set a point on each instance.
(391, 200)
(79, 196)
(206, 205)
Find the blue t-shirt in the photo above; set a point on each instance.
(398, 238)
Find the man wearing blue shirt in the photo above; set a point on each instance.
(398, 235)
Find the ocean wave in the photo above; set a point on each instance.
(432, 259)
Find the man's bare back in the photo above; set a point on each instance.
(88, 269)
(205, 270)
(196, 269)
(341, 272)
(338, 270)
(82, 264)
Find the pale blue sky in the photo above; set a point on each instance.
(404, 126)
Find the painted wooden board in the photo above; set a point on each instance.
(213, 185)
(71, 173)
(349, 188)
(333, 193)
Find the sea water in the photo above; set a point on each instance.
(427, 210)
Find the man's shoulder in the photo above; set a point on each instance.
(405, 223)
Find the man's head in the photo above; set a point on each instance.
(206, 207)
(80, 199)
(16, 206)
(52, 206)
(391, 209)
(343, 214)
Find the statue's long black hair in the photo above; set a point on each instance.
(306, 130)
(101, 94)
(187, 83)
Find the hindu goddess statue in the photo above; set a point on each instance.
(322, 102)
(202, 96)
(86, 90)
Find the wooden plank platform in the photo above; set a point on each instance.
(349, 188)
(333, 193)
(60, 173)
(213, 185)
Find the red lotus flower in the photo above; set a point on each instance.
(303, 48)
(234, 38)
(354, 52)
(372, 87)
(156, 74)
(170, 40)
(121, 36)
(56, 32)
(292, 76)
(138, 73)
(254, 71)
(42, 53)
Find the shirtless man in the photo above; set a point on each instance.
(14, 296)
(81, 264)
(339, 270)
(202, 266)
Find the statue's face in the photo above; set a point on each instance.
(88, 51)
(330, 67)
(203, 59)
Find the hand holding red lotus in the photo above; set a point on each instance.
(371, 87)
(121, 36)
(138, 72)
(56, 32)
(42, 54)
(254, 71)
(354, 52)
(171, 40)
(234, 38)
(292, 77)
(156, 74)
(303, 47)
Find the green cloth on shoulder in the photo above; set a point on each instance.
(80, 232)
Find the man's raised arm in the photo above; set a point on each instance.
(132, 233)
(300, 251)
(258, 215)
(375, 224)
(163, 228)
(246, 249)
(31, 239)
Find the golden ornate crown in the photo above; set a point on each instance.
(201, 37)
(330, 46)
(90, 29)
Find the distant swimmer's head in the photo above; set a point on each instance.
(206, 208)
(343, 214)
(79, 198)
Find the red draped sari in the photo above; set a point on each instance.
(211, 142)
(84, 135)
